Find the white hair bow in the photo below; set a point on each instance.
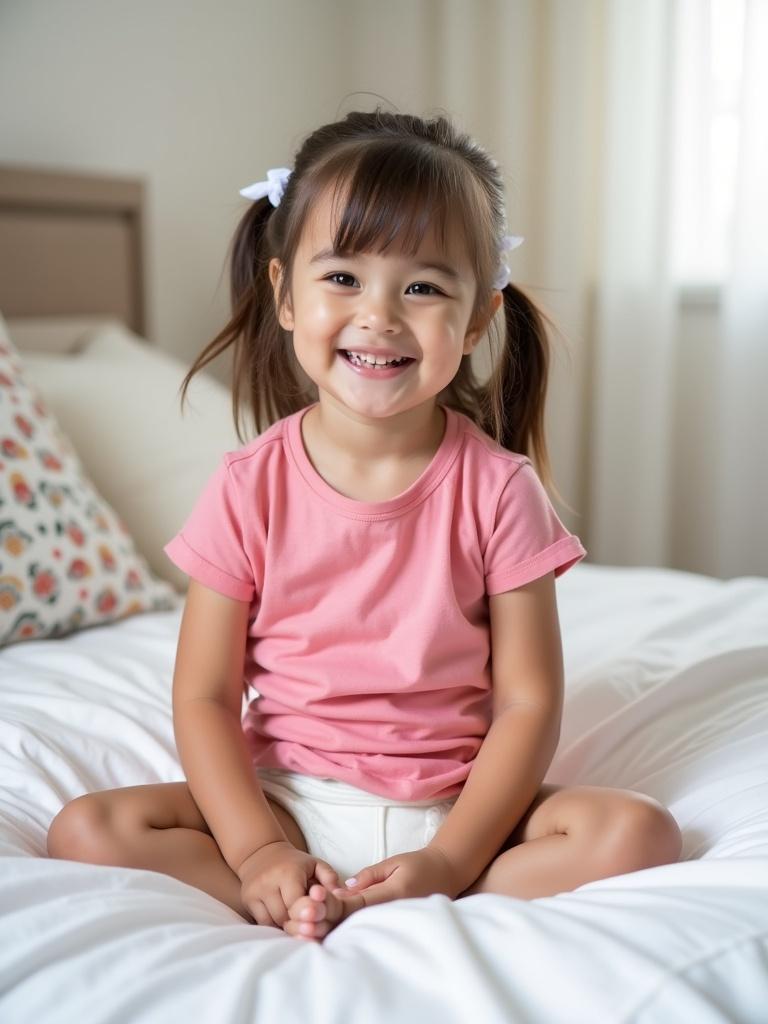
(273, 187)
(504, 274)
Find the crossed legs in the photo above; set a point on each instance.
(566, 838)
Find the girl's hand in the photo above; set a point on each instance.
(275, 876)
(420, 873)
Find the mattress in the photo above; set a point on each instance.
(666, 694)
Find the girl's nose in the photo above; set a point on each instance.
(378, 314)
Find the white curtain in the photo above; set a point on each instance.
(637, 452)
(742, 416)
(636, 322)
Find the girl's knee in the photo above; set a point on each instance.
(82, 830)
(643, 834)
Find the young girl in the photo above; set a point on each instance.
(377, 565)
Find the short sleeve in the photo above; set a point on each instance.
(210, 546)
(528, 539)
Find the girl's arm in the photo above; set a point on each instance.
(207, 704)
(527, 673)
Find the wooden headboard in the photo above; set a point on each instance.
(72, 244)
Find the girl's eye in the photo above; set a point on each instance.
(338, 274)
(416, 284)
(423, 284)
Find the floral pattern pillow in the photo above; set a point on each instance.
(67, 560)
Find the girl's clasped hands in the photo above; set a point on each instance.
(289, 889)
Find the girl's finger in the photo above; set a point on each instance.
(294, 890)
(325, 875)
(316, 930)
(276, 906)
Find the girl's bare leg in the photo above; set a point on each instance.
(569, 837)
(113, 827)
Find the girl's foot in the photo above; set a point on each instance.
(312, 917)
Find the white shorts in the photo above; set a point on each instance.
(348, 827)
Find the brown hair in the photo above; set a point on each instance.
(403, 173)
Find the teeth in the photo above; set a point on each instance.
(363, 358)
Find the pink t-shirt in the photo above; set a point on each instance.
(368, 642)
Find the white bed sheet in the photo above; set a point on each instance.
(667, 683)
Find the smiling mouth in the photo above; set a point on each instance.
(390, 364)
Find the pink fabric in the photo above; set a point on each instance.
(369, 636)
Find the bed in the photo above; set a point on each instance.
(667, 676)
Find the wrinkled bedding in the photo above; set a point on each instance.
(667, 694)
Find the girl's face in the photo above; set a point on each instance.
(389, 304)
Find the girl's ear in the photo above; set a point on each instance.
(284, 316)
(480, 325)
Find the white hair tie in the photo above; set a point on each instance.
(504, 274)
(273, 187)
(277, 179)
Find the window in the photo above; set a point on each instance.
(709, 42)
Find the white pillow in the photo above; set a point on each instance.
(56, 335)
(118, 400)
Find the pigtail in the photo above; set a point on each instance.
(248, 259)
(253, 317)
(514, 397)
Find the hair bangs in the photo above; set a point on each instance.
(390, 192)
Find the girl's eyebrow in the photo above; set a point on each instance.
(325, 255)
